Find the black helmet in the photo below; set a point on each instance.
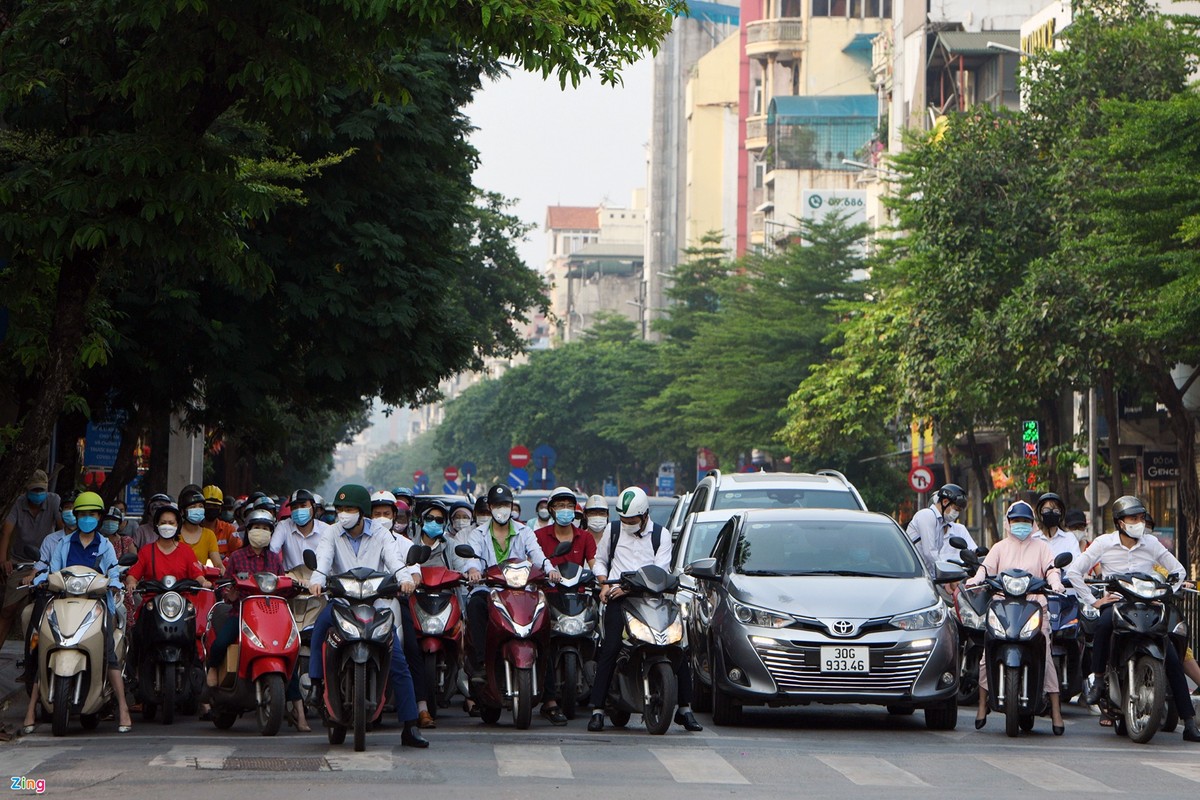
(481, 506)
(1047, 497)
(1126, 506)
(435, 503)
(499, 494)
(1074, 519)
(954, 493)
(190, 497)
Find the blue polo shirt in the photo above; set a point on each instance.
(80, 556)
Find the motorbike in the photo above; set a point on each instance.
(1144, 619)
(1066, 644)
(168, 662)
(644, 679)
(358, 648)
(970, 607)
(1015, 650)
(574, 621)
(305, 609)
(72, 670)
(258, 667)
(517, 638)
(438, 620)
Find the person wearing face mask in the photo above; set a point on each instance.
(595, 512)
(301, 531)
(462, 519)
(482, 515)
(403, 526)
(1076, 524)
(1020, 550)
(1050, 516)
(40, 599)
(166, 556)
(541, 514)
(228, 540)
(34, 516)
(146, 532)
(129, 524)
(383, 508)
(931, 528)
(1126, 550)
(193, 533)
(113, 528)
(359, 541)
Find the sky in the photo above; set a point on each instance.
(543, 146)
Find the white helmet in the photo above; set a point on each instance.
(633, 503)
(596, 503)
(561, 493)
(383, 499)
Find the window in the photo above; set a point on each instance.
(757, 101)
(760, 174)
(784, 498)
(855, 9)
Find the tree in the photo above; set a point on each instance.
(395, 464)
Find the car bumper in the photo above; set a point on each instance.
(781, 668)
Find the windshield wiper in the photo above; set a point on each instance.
(851, 573)
(765, 573)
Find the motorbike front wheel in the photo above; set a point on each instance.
(1012, 701)
(968, 682)
(659, 708)
(431, 683)
(569, 685)
(62, 704)
(270, 703)
(522, 701)
(1145, 699)
(360, 707)
(168, 693)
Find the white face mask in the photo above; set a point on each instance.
(168, 531)
(543, 514)
(630, 530)
(348, 519)
(1134, 530)
(597, 524)
(482, 519)
(502, 515)
(952, 514)
(259, 538)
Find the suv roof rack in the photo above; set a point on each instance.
(833, 473)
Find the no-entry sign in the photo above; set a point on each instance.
(519, 456)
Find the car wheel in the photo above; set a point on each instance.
(701, 692)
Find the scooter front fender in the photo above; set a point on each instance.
(360, 653)
(266, 665)
(521, 653)
(67, 662)
(432, 644)
(1010, 655)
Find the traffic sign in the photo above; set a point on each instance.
(450, 474)
(468, 469)
(449, 487)
(666, 485)
(543, 478)
(467, 485)
(544, 456)
(420, 482)
(920, 478)
(519, 456)
(518, 478)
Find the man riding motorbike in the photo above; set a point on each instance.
(931, 528)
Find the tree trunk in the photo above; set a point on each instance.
(125, 467)
(160, 445)
(1184, 427)
(984, 479)
(1111, 412)
(71, 428)
(76, 280)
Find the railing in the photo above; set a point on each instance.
(787, 29)
(1189, 604)
(756, 128)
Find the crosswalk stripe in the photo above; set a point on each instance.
(697, 765)
(17, 760)
(194, 757)
(371, 761)
(522, 761)
(1046, 775)
(1189, 771)
(870, 771)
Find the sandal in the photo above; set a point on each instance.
(1105, 722)
(28, 729)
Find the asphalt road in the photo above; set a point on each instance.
(849, 751)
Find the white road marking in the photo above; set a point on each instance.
(372, 761)
(697, 765)
(23, 760)
(523, 761)
(870, 771)
(194, 757)
(1189, 771)
(1047, 775)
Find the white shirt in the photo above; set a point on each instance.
(1061, 542)
(522, 543)
(1115, 558)
(291, 542)
(633, 552)
(930, 533)
(403, 545)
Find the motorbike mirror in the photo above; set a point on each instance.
(704, 569)
(563, 548)
(127, 560)
(1063, 559)
(981, 552)
(310, 559)
(970, 557)
(958, 543)
(418, 554)
(946, 572)
(465, 551)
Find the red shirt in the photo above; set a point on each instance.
(153, 564)
(583, 548)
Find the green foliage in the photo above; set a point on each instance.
(395, 464)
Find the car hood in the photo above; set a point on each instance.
(830, 596)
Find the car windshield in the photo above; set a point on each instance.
(701, 540)
(660, 512)
(825, 547)
(784, 498)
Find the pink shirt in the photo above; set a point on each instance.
(1032, 555)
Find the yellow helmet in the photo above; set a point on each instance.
(88, 501)
(213, 494)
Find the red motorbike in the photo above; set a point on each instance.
(438, 620)
(518, 639)
(257, 668)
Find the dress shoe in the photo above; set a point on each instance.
(688, 720)
(1059, 730)
(411, 737)
(596, 723)
(980, 722)
(425, 720)
(555, 715)
(1095, 690)
(1191, 733)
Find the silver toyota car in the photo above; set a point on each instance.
(822, 606)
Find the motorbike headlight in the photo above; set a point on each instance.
(757, 616)
(568, 626)
(993, 623)
(1015, 584)
(1181, 628)
(381, 631)
(266, 581)
(293, 637)
(1145, 589)
(347, 626)
(639, 630)
(168, 581)
(171, 606)
(251, 636)
(1032, 625)
(516, 576)
(922, 620)
(77, 584)
(967, 615)
(1089, 612)
(674, 632)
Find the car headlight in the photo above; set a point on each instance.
(267, 581)
(993, 623)
(1015, 584)
(757, 616)
(674, 632)
(922, 620)
(1089, 612)
(1032, 625)
(516, 576)
(1145, 589)
(170, 606)
(77, 584)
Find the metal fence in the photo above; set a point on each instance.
(1189, 604)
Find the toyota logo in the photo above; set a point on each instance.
(843, 627)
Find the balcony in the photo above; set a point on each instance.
(766, 36)
(756, 132)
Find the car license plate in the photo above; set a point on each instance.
(846, 659)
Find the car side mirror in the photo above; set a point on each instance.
(704, 569)
(958, 543)
(563, 548)
(1063, 559)
(418, 554)
(465, 551)
(127, 560)
(946, 572)
(310, 559)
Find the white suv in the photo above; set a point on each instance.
(825, 488)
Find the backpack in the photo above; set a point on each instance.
(614, 533)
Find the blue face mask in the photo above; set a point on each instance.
(195, 515)
(69, 519)
(329, 517)
(88, 523)
(564, 516)
(434, 530)
(109, 527)
(1021, 530)
(301, 516)
(37, 498)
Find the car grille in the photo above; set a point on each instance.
(797, 670)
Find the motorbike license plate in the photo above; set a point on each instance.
(846, 659)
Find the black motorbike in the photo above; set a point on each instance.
(1066, 644)
(644, 680)
(970, 605)
(573, 625)
(165, 660)
(1014, 649)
